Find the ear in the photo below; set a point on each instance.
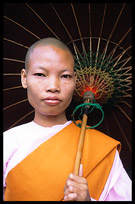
(23, 78)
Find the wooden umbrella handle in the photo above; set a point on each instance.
(80, 145)
(87, 97)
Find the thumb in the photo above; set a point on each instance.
(81, 170)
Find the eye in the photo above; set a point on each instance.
(39, 74)
(66, 76)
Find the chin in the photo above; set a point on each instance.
(51, 113)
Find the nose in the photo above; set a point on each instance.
(53, 85)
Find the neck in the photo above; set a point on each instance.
(49, 121)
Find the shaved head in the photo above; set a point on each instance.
(46, 42)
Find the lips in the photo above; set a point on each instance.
(51, 100)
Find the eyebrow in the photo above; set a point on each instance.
(61, 71)
(43, 68)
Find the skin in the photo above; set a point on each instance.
(50, 73)
(76, 188)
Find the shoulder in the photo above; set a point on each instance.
(17, 128)
(96, 138)
(101, 140)
(96, 134)
(15, 133)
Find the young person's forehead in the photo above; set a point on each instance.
(43, 48)
(51, 47)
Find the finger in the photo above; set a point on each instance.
(71, 196)
(70, 186)
(69, 190)
(81, 170)
(78, 179)
(73, 187)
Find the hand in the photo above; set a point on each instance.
(76, 188)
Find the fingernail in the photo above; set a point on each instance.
(71, 176)
(68, 183)
(65, 197)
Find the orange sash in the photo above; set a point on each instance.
(42, 175)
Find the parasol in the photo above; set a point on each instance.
(99, 36)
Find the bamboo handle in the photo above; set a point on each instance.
(80, 145)
(87, 97)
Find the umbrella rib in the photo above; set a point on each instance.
(129, 68)
(120, 55)
(12, 88)
(76, 22)
(122, 61)
(117, 44)
(126, 103)
(122, 131)
(83, 46)
(90, 32)
(126, 96)
(127, 79)
(123, 112)
(11, 74)
(106, 47)
(125, 86)
(97, 39)
(13, 60)
(116, 21)
(41, 20)
(62, 22)
(21, 119)
(22, 101)
(102, 23)
(21, 26)
(123, 69)
(107, 127)
(15, 43)
(74, 45)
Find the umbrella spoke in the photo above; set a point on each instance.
(100, 35)
(12, 88)
(11, 74)
(121, 55)
(15, 43)
(14, 104)
(13, 60)
(118, 44)
(21, 26)
(123, 134)
(25, 116)
(90, 31)
(74, 45)
(83, 46)
(107, 127)
(42, 20)
(110, 36)
(125, 102)
(124, 113)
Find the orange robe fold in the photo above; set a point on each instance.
(42, 175)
